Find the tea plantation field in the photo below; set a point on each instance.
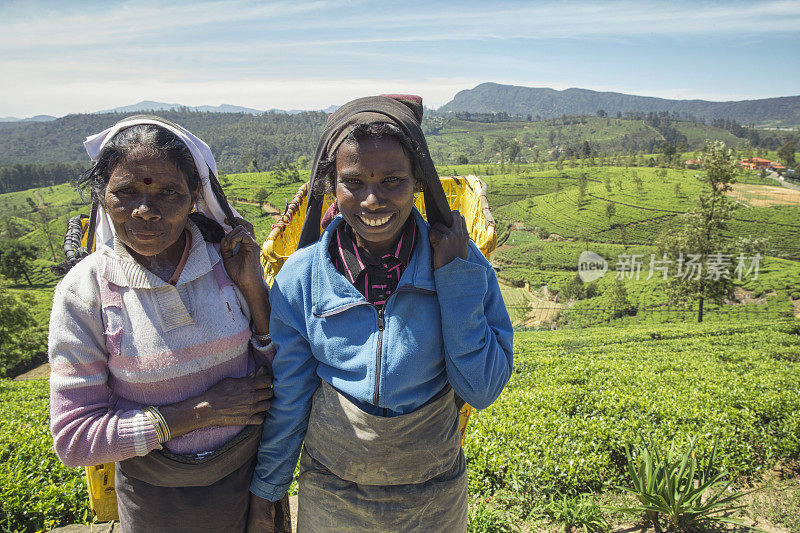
(576, 401)
(646, 201)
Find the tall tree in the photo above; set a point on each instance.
(514, 148)
(586, 150)
(699, 259)
(582, 183)
(42, 221)
(786, 153)
(20, 339)
(15, 257)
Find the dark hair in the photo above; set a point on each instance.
(326, 170)
(153, 141)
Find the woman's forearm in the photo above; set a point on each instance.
(258, 302)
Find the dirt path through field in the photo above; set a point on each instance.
(764, 195)
(536, 308)
(266, 207)
(39, 199)
(40, 372)
(542, 312)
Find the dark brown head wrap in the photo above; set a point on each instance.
(403, 111)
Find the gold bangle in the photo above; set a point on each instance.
(151, 417)
(159, 423)
(164, 426)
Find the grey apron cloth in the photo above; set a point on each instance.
(360, 472)
(172, 493)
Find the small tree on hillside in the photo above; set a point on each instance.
(618, 302)
(639, 183)
(582, 183)
(699, 258)
(15, 257)
(260, 195)
(514, 149)
(611, 210)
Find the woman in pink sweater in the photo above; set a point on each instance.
(159, 347)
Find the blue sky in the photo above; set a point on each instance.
(82, 56)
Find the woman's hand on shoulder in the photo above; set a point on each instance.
(241, 256)
(449, 243)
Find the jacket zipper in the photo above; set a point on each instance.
(378, 356)
(381, 327)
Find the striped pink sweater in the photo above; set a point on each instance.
(121, 339)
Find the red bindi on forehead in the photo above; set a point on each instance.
(148, 181)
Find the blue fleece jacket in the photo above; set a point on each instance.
(444, 326)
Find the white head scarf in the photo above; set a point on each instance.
(207, 203)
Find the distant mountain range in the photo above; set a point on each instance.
(149, 105)
(545, 103)
(548, 103)
(37, 118)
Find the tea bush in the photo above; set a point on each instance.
(37, 492)
(577, 400)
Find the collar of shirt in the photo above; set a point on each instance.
(375, 280)
(173, 280)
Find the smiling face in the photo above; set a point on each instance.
(375, 187)
(149, 201)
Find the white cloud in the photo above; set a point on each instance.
(139, 22)
(77, 58)
(147, 23)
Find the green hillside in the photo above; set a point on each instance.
(646, 201)
(450, 137)
(538, 217)
(38, 154)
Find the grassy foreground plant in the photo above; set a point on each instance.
(679, 487)
(483, 517)
(577, 514)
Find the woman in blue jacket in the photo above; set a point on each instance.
(381, 324)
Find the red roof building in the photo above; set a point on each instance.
(755, 163)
